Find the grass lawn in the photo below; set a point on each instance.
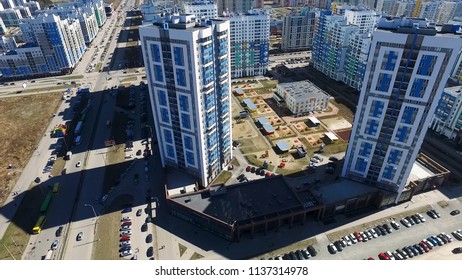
(18, 115)
(222, 178)
(71, 77)
(60, 89)
(107, 248)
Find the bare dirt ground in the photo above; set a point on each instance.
(23, 120)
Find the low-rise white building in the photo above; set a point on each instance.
(202, 9)
(304, 96)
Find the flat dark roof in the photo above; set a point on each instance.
(341, 190)
(242, 201)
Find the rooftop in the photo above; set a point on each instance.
(242, 201)
(456, 91)
(411, 25)
(303, 90)
(341, 190)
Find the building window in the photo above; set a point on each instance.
(168, 136)
(190, 158)
(155, 50)
(180, 77)
(188, 142)
(162, 98)
(158, 73)
(170, 151)
(178, 56)
(361, 165)
(185, 121)
(183, 100)
(164, 114)
(409, 115)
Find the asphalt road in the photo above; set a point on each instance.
(62, 207)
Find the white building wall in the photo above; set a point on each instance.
(371, 124)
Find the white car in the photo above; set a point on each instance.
(125, 253)
(126, 219)
(78, 164)
(422, 219)
(373, 232)
(347, 240)
(353, 238)
(126, 228)
(124, 243)
(54, 245)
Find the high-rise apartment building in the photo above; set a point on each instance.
(298, 30)
(405, 8)
(202, 9)
(188, 72)
(52, 46)
(407, 69)
(448, 11)
(366, 20)
(331, 41)
(428, 10)
(249, 37)
(447, 119)
(356, 60)
(389, 7)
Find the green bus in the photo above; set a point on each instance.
(39, 225)
(46, 203)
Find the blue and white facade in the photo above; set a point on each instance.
(188, 72)
(52, 46)
(407, 69)
(447, 119)
(249, 35)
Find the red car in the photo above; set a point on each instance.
(384, 256)
(358, 236)
(126, 224)
(424, 246)
(125, 238)
(268, 174)
(248, 168)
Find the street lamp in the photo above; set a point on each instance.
(96, 219)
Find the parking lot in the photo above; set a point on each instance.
(397, 239)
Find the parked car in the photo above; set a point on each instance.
(383, 256)
(390, 255)
(415, 219)
(353, 238)
(79, 236)
(395, 225)
(454, 212)
(387, 228)
(347, 240)
(410, 220)
(125, 253)
(59, 231)
(358, 236)
(457, 250)
(402, 253)
(332, 249)
(138, 212)
(312, 250)
(405, 222)
(338, 246)
(373, 232)
(457, 234)
(422, 219)
(54, 245)
(432, 214)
